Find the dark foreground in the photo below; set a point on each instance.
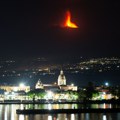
(55, 111)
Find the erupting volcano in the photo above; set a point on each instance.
(68, 22)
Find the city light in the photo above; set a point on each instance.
(49, 94)
(106, 84)
(72, 84)
(22, 85)
(49, 106)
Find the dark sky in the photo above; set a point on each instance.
(32, 28)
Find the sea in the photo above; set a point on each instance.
(8, 112)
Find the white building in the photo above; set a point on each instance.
(61, 79)
(39, 85)
(55, 87)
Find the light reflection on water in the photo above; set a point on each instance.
(49, 117)
(72, 116)
(104, 117)
(8, 112)
(21, 117)
(82, 116)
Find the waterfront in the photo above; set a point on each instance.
(8, 112)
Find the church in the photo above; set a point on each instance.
(61, 84)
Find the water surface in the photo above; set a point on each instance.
(8, 112)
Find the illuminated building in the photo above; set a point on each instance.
(55, 87)
(61, 79)
(69, 87)
(62, 83)
(15, 88)
(14, 92)
(39, 85)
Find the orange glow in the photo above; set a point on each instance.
(68, 22)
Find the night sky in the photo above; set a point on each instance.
(32, 28)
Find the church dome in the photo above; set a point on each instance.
(61, 78)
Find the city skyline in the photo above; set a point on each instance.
(32, 28)
(80, 72)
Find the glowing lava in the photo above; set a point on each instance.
(68, 22)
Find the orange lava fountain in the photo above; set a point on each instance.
(68, 22)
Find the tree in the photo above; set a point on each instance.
(115, 91)
(81, 95)
(91, 92)
(37, 93)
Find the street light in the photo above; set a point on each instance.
(106, 84)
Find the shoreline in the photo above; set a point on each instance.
(66, 102)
